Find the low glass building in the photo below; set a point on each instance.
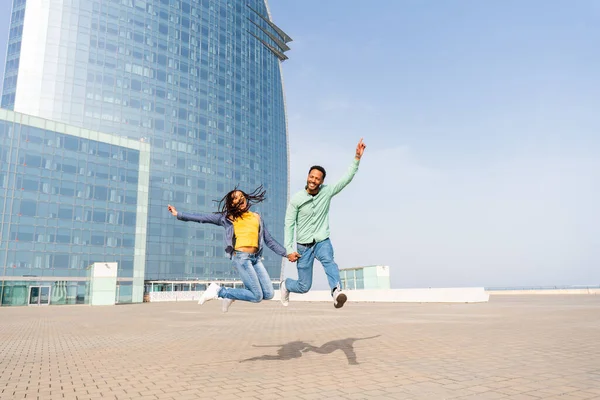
(367, 277)
(69, 197)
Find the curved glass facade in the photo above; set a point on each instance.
(199, 80)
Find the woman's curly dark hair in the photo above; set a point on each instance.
(227, 207)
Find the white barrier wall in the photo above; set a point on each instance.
(592, 291)
(175, 296)
(433, 295)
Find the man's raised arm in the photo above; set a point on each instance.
(347, 178)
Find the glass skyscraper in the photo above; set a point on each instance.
(197, 80)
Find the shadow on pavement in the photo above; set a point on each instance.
(295, 349)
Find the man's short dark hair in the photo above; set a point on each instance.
(318, 168)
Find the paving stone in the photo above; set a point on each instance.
(513, 347)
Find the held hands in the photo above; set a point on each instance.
(293, 257)
(172, 210)
(360, 149)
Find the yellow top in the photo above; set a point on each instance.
(245, 229)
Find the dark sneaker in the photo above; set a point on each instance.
(339, 298)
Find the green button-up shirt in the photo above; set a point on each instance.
(309, 214)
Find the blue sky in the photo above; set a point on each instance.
(482, 165)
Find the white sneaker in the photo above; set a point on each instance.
(285, 294)
(339, 298)
(211, 293)
(225, 305)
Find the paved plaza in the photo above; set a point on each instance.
(514, 347)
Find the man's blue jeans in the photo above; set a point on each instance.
(322, 251)
(258, 285)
